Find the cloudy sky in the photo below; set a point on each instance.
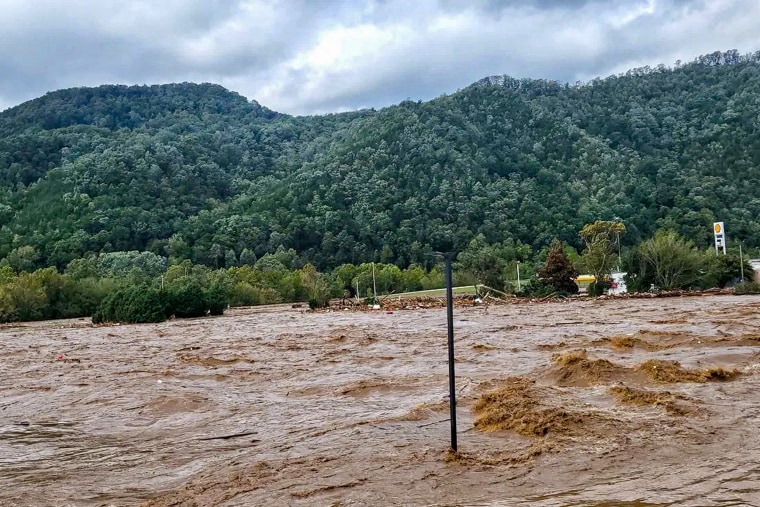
(316, 56)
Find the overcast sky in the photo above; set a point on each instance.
(316, 56)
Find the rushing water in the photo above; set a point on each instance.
(278, 406)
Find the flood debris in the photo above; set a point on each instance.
(393, 302)
(228, 437)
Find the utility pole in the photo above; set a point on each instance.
(518, 277)
(450, 320)
(741, 260)
(448, 257)
(374, 285)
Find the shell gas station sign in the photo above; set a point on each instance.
(719, 232)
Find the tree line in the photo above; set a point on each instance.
(199, 173)
(144, 287)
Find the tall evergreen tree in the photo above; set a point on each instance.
(557, 272)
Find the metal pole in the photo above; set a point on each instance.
(374, 285)
(741, 260)
(518, 277)
(450, 319)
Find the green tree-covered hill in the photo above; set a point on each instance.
(199, 172)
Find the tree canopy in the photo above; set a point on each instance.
(200, 173)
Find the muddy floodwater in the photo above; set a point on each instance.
(632, 402)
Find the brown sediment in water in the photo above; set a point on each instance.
(516, 407)
(373, 386)
(752, 339)
(322, 489)
(627, 343)
(498, 457)
(423, 411)
(298, 424)
(484, 347)
(644, 397)
(660, 340)
(670, 372)
(195, 359)
(552, 346)
(659, 332)
(652, 339)
(669, 321)
(218, 485)
(574, 368)
(570, 357)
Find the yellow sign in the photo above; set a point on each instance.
(720, 236)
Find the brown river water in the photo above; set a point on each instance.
(278, 406)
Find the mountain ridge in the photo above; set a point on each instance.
(205, 173)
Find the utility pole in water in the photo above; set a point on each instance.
(450, 321)
(447, 259)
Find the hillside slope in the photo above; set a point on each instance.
(199, 172)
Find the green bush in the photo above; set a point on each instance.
(747, 288)
(216, 298)
(186, 298)
(133, 305)
(317, 303)
(536, 289)
(7, 306)
(598, 288)
(85, 295)
(371, 301)
(29, 297)
(244, 294)
(270, 296)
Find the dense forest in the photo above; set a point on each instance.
(196, 172)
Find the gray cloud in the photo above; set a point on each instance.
(305, 56)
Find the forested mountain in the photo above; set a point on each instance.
(199, 172)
